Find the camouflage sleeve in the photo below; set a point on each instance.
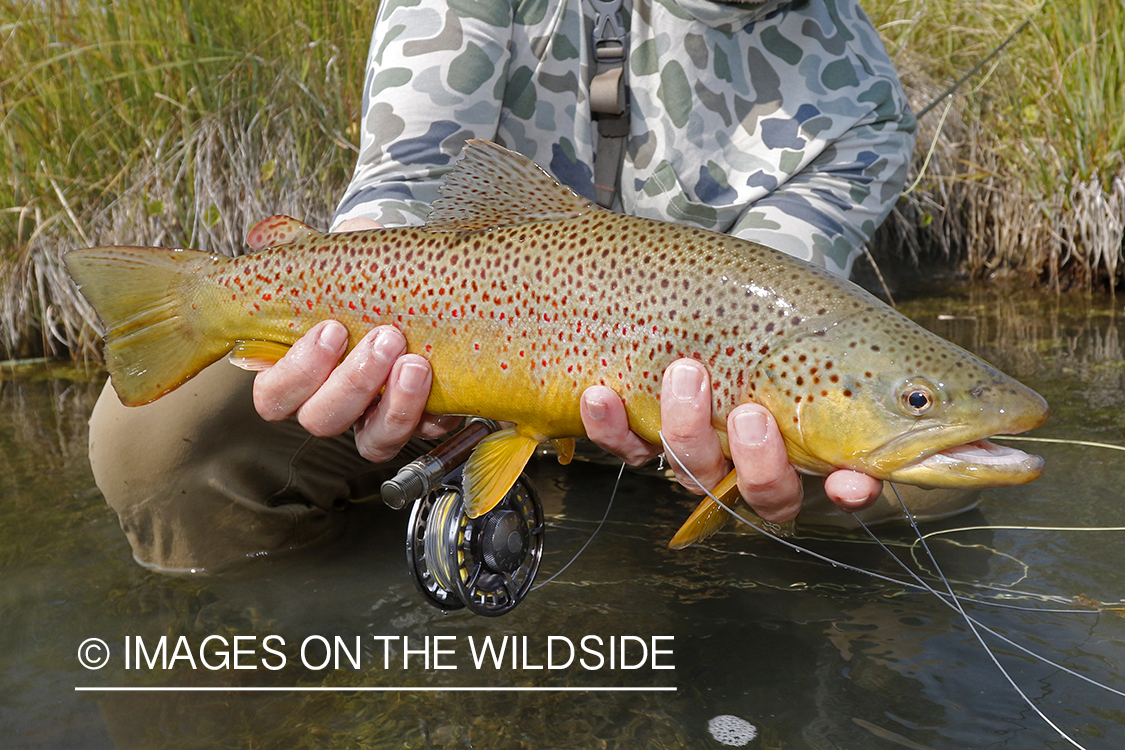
(827, 212)
(788, 128)
(435, 77)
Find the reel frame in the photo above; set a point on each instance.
(486, 564)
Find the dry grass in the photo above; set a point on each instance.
(131, 124)
(1027, 175)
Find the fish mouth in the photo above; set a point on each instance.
(976, 462)
(982, 460)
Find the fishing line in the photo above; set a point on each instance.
(879, 576)
(796, 548)
(944, 599)
(1100, 606)
(601, 523)
(816, 555)
(951, 599)
(889, 579)
(973, 626)
(1087, 443)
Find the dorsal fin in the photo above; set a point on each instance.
(493, 187)
(278, 230)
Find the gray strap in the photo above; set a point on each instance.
(608, 101)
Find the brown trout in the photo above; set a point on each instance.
(522, 294)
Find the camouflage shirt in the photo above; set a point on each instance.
(781, 122)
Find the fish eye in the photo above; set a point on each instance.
(917, 400)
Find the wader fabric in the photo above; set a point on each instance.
(200, 481)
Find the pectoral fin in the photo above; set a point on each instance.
(708, 516)
(257, 355)
(494, 467)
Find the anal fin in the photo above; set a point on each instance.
(494, 467)
(256, 355)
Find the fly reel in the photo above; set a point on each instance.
(486, 564)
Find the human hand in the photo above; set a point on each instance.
(378, 387)
(766, 479)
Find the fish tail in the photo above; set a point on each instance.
(157, 332)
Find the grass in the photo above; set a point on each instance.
(135, 123)
(1028, 174)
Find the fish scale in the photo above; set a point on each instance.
(546, 309)
(522, 294)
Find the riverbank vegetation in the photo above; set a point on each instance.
(1022, 170)
(125, 123)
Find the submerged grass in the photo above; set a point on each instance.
(137, 123)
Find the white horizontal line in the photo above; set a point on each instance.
(317, 689)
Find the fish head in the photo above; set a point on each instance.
(878, 394)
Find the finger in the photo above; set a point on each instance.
(685, 423)
(434, 426)
(280, 390)
(766, 479)
(606, 423)
(386, 426)
(354, 385)
(358, 224)
(851, 490)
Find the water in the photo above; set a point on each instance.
(809, 655)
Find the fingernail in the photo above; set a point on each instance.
(595, 409)
(386, 347)
(412, 377)
(750, 427)
(852, 493)
(686, 382)
(332, 337)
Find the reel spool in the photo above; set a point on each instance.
(486, 564)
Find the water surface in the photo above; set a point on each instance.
(811, 655)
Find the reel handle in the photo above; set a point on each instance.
(424, 474)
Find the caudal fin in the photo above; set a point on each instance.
(156, 333)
